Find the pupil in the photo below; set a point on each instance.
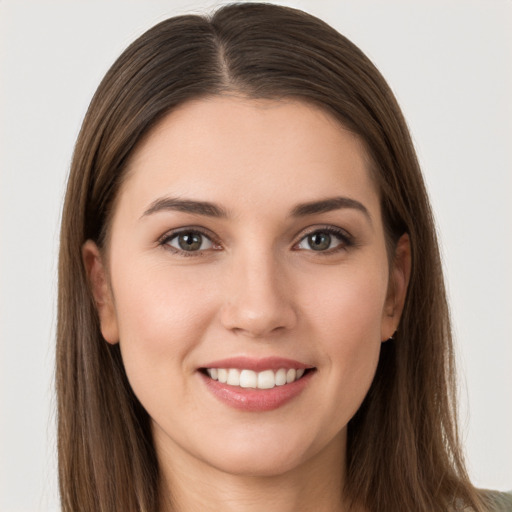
(189, 241)
(319, 241)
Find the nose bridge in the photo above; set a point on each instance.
(258, 301)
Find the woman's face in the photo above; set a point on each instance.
(247, 244)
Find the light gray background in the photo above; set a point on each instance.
(450, 65)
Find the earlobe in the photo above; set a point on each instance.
(397, 289)
(101, 291)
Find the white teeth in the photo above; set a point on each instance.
(266, 379)
(281, 377)
(233, 377)
(248, 379)
(291, 375)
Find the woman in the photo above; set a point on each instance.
(251, 306)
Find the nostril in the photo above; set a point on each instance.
(255, 309)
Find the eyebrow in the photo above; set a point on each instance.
(209, 209)
(186, 206)
(329, 205)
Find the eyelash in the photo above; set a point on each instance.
(168, 237)
(346, 240)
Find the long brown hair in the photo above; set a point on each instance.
(403, 448)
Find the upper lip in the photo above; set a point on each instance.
(257, 364)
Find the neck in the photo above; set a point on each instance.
(190, 485)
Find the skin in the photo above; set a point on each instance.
(257, 290)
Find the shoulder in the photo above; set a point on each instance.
(499, 501)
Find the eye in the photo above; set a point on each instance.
(324, 240)
(188, 241)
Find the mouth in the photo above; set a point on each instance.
(246, 378)
(256, 385)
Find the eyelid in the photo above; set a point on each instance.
(168, 235)
(346, 238)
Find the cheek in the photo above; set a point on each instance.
(346, 315)
(349, 303)
(158, 303)
(162, 316)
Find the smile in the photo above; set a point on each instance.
(266, 379)
(256, 385)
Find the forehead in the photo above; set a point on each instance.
(248, 153)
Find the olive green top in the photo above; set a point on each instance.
(501, 501)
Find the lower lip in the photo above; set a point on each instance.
(256, 400)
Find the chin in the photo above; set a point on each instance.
(262, 465)
(263, 455)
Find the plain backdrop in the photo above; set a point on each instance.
(450, 65)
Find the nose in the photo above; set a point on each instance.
(258, 298)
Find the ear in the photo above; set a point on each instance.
(101, 291)
(397, 288)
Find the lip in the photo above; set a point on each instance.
(256, 400)
(257, 365)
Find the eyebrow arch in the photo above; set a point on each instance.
(212, 210)
(187, 206)
(328, 205)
